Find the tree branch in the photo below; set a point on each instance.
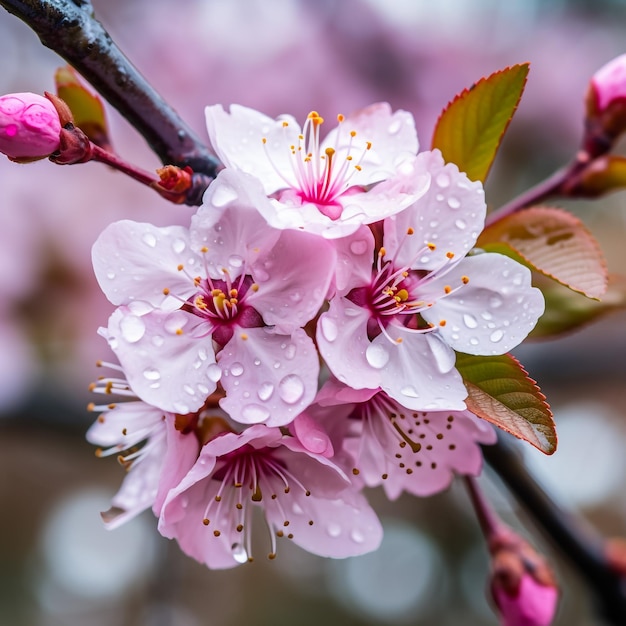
(70, 29)
(584, 549)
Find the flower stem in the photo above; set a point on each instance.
(70, 29)
(584, 549)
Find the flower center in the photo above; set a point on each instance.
(248, 478)
(320, 174)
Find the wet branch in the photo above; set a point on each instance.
(584, 549)
(70, 29)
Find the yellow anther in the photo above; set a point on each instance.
(180, 267)
(402, 295)
(447, 289)
(340, 118)
(98, 363)
(179, 331)
(264, 140)
(301, 137)
(442, 323)
(91, 406)
(399, 340)
(254, 287)
(234, 293)
(197, 280)
(348, 158)
(217, 292)
(111, 406)
(204, 249)
(382, 252)
(358, 168)
(450, 255)
(410, 231)
(368, 145)
(431, 246)
(285, 124)
(329, 152)
(166, 292)
(200, 303)
(353, 133)
(465, 279)
(91, 387)
(244, 336)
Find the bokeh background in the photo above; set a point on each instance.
(58, 566)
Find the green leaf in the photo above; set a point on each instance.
(86, 107)
(471, 127)
(501, 392)
(553, 242)
(567, 311)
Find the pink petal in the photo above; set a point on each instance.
(494, 312)
(175, 372)
(311, 435)
(354, 260)
(267, 377)
(137, 261)
(450, 215)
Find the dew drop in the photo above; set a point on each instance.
(469, 320)
(110, 275)
(358, 247)
(453, 202)
(234, 260)
(189, 390)
(257, 362)
(291, 389)
(460, 224)
(265, 391)
(357, 536)
(295, 296)
(181, 408)
(151, 374)
(517, 279)
(377, 355)
(133, 328)
(440, 197)
(223, 195)
(495, 301)
(486, 315)
(334, 530)
(394, 127)
(214, 372)
(329, 328)
(409, 391)
(425, 259)
(254, 413)
(474, 341)
(443, 180)
(178, 245)
(496, 336)
(444, 356)
(290, 351)
(149, 239)
(155, 385)
(202, 354)
(236, 369)
(239, 553)
(175, 321)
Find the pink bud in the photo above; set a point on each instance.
(609, 83)
(531, 604)
(29, 126)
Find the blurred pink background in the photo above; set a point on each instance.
(57, 565)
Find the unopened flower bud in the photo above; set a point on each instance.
(606, 106)
(29, 126)
(522, 584)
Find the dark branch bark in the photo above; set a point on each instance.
(580, 546)
(71, 30)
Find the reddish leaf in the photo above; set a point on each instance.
(501, 392)
(555, 243)
(471, 127)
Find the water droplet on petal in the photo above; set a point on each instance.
(460, 224)
(254, 413)
(409, 391)
(265, 391)
(443, 180)
(234, 260)
(454, 203)
(443, 354)
(175, 321)
(495, 301)
(377, 355)
(291, 389)
(189, 390)
(329, 328)
(133, 328)
(496, 336)
(357, 536)
(394, 127)
(295, 296)
(290, 351)
(239, 553)
(469, 320)
(149, 239)
(334, 530)
(151, 374)
(223, 195)
(110, 275)
(214, 372)
(359, 247)
(517, 279)
(474, 341)
(236, 369)
(181, 408)
(178, 245)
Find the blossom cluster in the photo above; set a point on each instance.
(297, 342)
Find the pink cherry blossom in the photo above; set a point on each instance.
(156, 456)
(396, 325)
(223, 302)
(609, 83)
(401, 449)
(29, 126)
(304, 497)
(360, 173)
(533, 604)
